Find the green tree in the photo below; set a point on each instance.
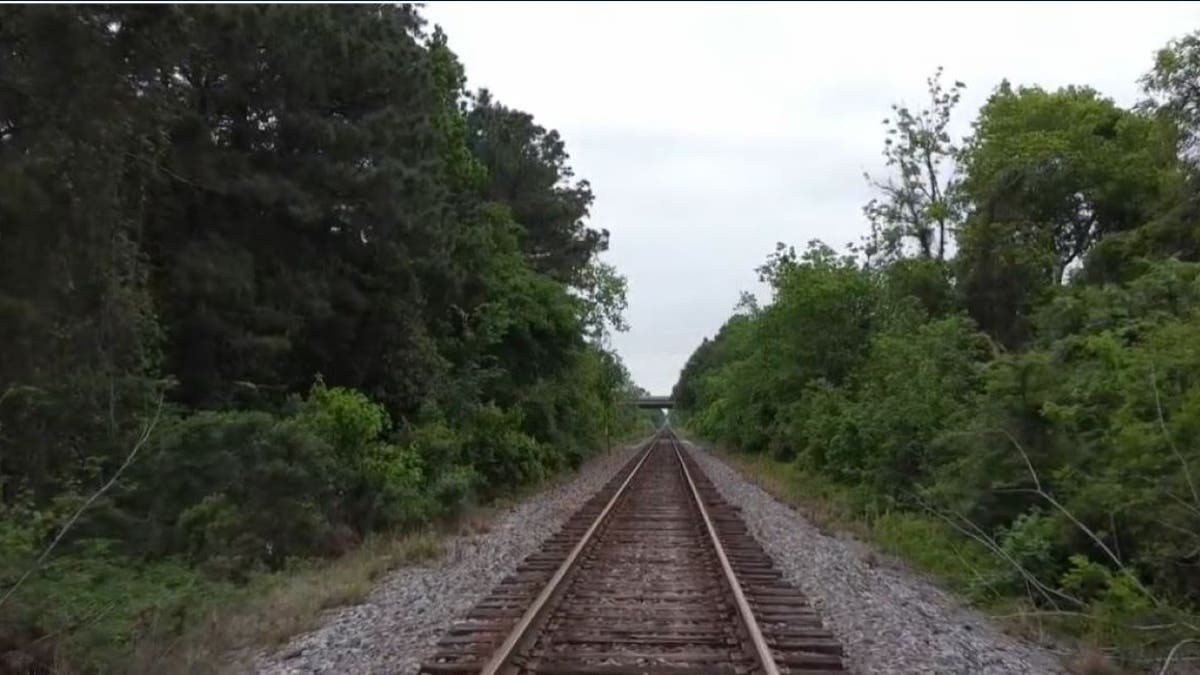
(1037, 393)
(78, 329)
(1050, 175)
(224, 203)
(1173, 89)
(527, 170)
(920, 202)
(1063, 169)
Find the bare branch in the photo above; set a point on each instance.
(1171, 655)
(1184, 504)
(1079, 524)
(1112, 524)
(1162, 424)
(1088, 617)
(1086, 530)
(87, 504)
(982, 537)
(1028, 464)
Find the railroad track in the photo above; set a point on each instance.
(655, 574)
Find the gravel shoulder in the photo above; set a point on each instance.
(888, 620)
(404, 616)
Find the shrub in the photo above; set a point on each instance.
(377, 484)
(239, 489)
(454, 489)
(503, 454)
(1033, 541)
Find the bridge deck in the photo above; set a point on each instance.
(654, 402)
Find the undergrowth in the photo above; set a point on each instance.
(1095, 641)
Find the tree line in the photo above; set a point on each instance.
(1010, 354)
(280, 271)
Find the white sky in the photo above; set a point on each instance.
(711, 131)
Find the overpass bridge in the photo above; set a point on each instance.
(653, 403)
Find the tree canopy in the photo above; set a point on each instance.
(337, 291)
(1034, 394)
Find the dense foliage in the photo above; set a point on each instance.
(278, 272)
(1037, 391)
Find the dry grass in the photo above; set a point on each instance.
(1091, 661)
(282, 606)
(826, 511)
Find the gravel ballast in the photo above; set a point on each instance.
(404, 616)
(888, 620)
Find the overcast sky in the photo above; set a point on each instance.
(711, 131)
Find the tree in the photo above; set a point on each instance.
(921, 202)
(225, 204)
(1053, 427)
(603, 292)
(78, 330)
(1066, 168)
(1050, 175)
(527, 170)
(1173, 90)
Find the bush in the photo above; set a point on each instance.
(503, 454)
(454, 489)
(869, 379)
(1033, 541)
(242, 490)
(377, 484)
(238, 490)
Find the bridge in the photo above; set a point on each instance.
(653, 403)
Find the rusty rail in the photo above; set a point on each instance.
(655, 574)
(766, 659)
(535, 611)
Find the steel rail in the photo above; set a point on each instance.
(504, 652)
(748, 621)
